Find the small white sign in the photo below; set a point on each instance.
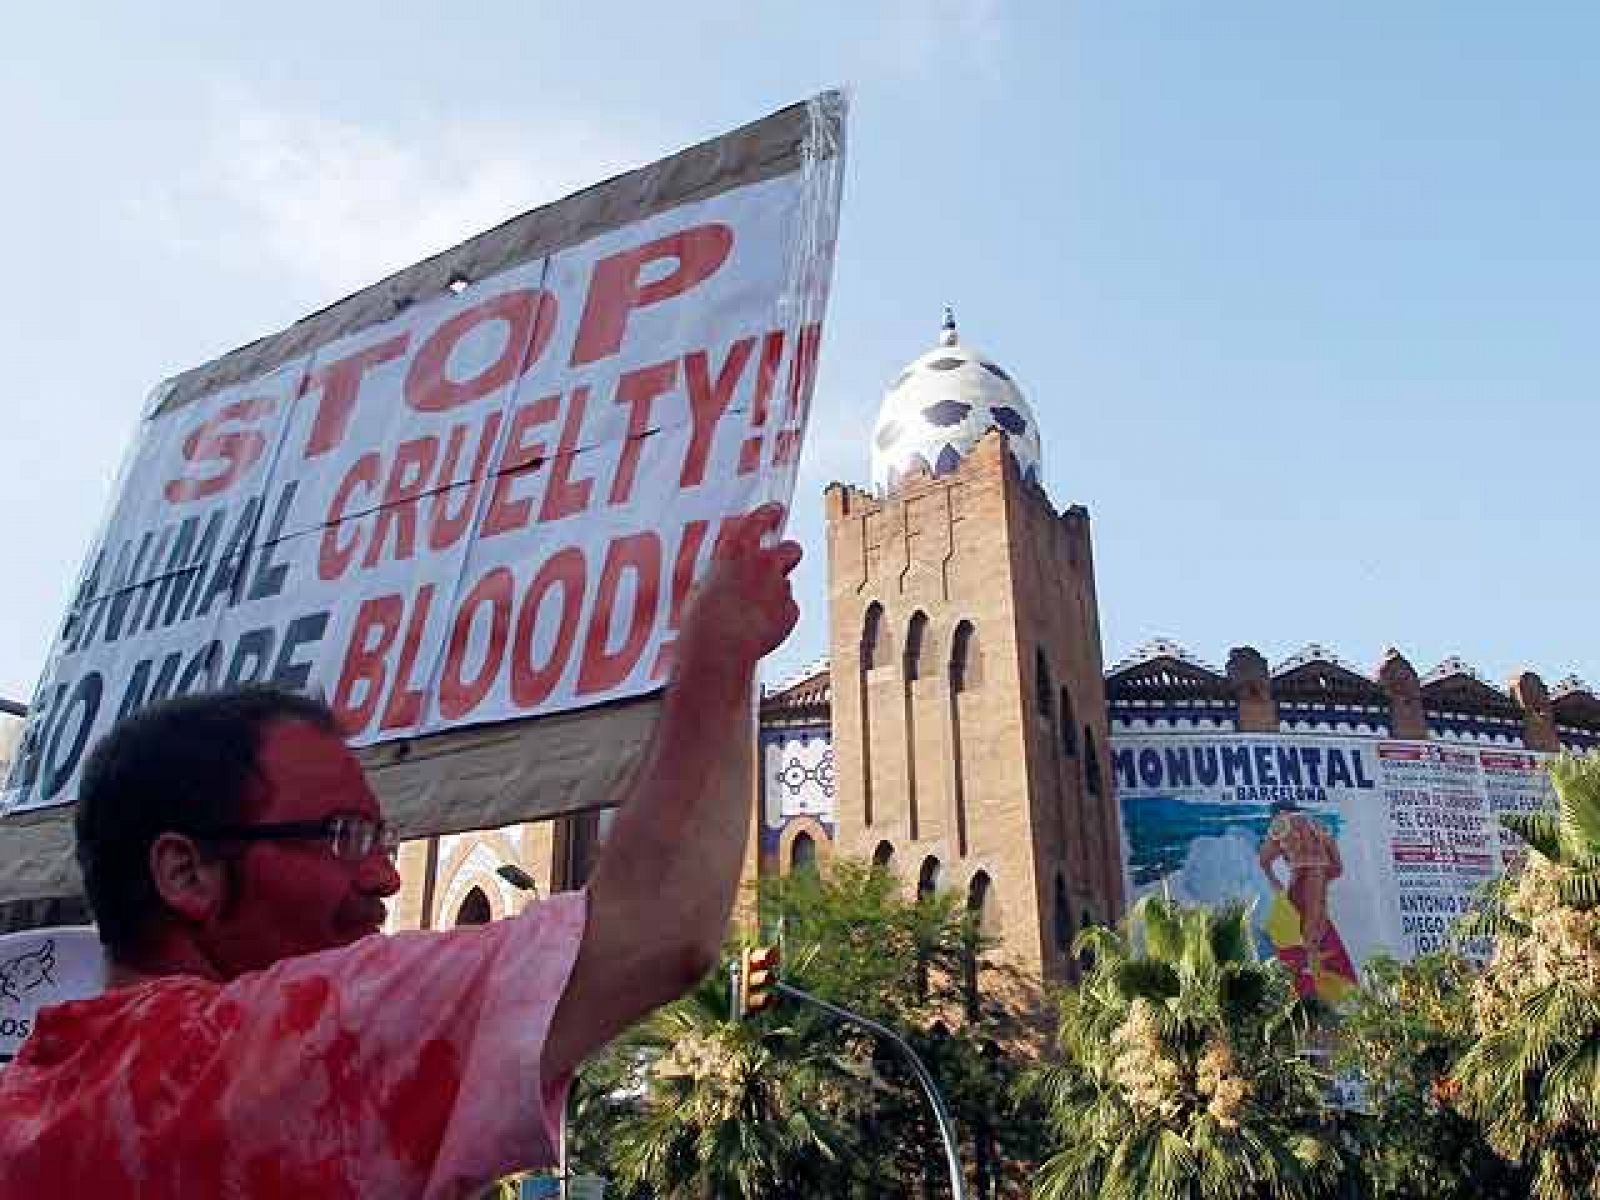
(41, 967)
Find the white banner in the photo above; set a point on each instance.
(1344, 846)
(41, 967)
(490, 506)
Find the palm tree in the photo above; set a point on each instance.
(736, 1109)
(1184, 1075)
(1402, 1034)
(790, 1103)
(1532, 1077)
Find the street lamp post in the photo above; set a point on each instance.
(941, 1114)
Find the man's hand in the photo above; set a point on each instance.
(744, 608)
(666, 881)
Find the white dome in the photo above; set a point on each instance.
(941, 406)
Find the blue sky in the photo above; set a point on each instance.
(1305, 300)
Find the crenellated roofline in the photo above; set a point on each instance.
(1163, 684)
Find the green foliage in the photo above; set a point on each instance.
(1531, 1076)
(788, 1103)
(1184, 1072)
(1185, 1067)
(735, 1108)
(1402, 1034)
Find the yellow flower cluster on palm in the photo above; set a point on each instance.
(1183, 1070)
(1533, 1075)
(1152, 1080)
(1220, 1080)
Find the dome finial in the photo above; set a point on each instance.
(947, 330)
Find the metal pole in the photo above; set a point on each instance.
(561, 1150)
(947, 1133)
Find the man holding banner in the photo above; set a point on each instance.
(258, 1042)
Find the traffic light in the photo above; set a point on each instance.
(758, 977)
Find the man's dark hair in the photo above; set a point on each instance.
(183, 765)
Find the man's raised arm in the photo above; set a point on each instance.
(667, 878)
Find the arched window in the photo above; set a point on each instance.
(978, 912)
(1042, 690)
(963, 674)
(474, 909)
(1069, 730)
(883, 855)
(1091, 763)
(874, 638)
(916, 636)
(911, 669)
(927, 885)
(978, 900)
(964, 658)
(874, 654)
(803, 853)
(1062, 917)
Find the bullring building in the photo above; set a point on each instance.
(965, 732)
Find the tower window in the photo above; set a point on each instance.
(474, 909)
(978, 912)
(916, 636)
(803, 853)
(978, 900)
(1069, 730)
(964, 659)
(1062, 915)
(1042, 690)
(1091, 763)
(874, 638)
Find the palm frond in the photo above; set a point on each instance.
(1542, 831)
(1580, 888)
(1159, 923)
(1147, 978)
(1577, 783)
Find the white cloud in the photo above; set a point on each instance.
(335, 205)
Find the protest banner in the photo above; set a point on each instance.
(472, 497)
(1344, 847)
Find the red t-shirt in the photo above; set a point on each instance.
(405, 1066)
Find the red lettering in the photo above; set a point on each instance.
(638, 390)
(563, 497)
(786, 446)
(365, 661)
(519, 456)
(529, 317)
(239, 449)
(458, 694)
(766, 375)
(334, 559)
(404, 709)
(708, 403)
(408, 479)
(616, 288)
(445, 527)
(603, 669)
(340, 382)
(531, 682)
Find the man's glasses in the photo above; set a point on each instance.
(350, 837)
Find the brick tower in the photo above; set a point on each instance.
(968, 706)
